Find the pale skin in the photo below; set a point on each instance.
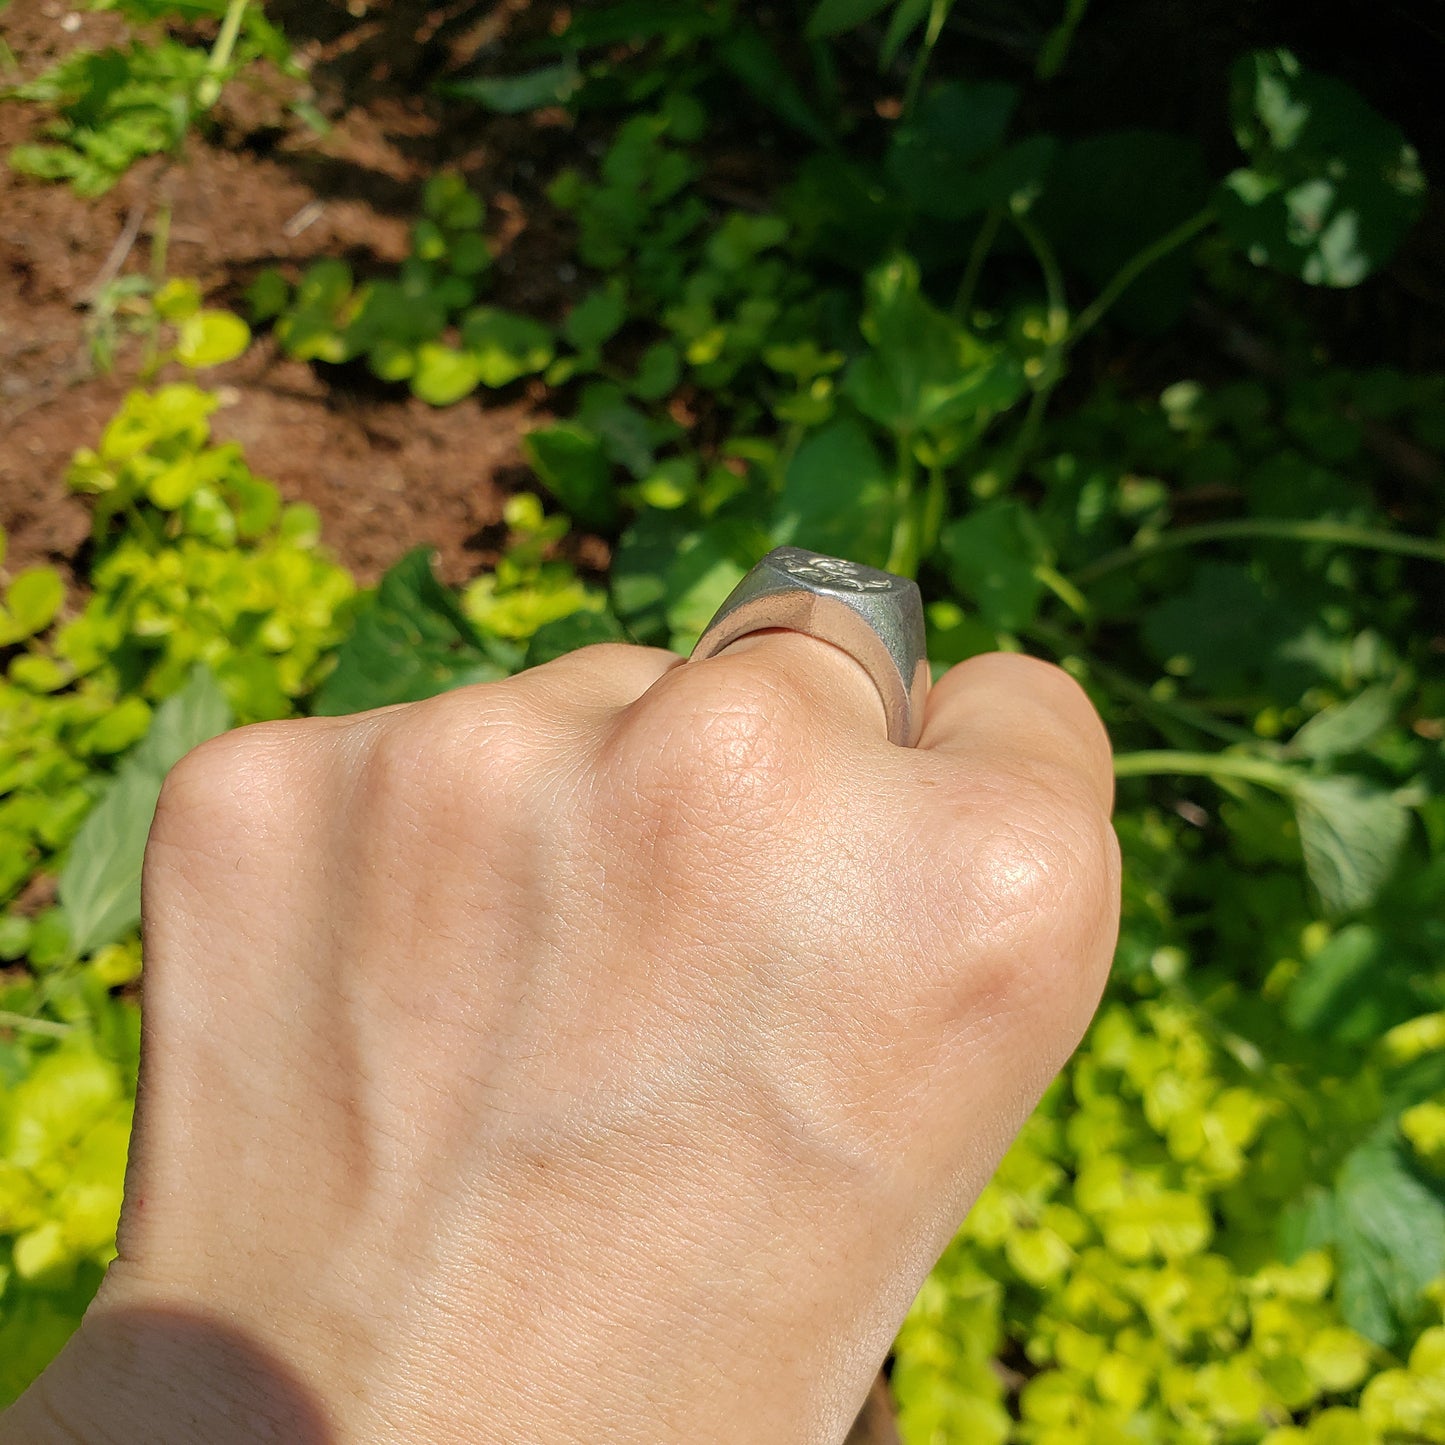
(601, 1055)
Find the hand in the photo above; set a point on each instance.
(603, 1054)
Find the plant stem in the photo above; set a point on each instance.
(24, 1024)
(1062, 644)
(936, 16)
(1135, 267)
(935, 506)
(1281, 529)
(904, 551)
(977, 255)
(1058, 331)
(1206, 765)
(209, 90)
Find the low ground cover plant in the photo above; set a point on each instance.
(1227, 1221)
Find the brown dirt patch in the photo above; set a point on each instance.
(386, 472)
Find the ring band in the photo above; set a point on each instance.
(875, 617)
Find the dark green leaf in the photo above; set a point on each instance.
(1195, 631)
(992, 561)
(924, 372)
(1390, 1234)
(577, 471)
(1345, 991)
(907, 16)
(1352, 832)
(953, 129)
(505, 345)
(1332, 186)
(838, 496)
(634, 21)
(567, 634)
(745, 52)
(1108, 197)
(833, 17)
(409, 641)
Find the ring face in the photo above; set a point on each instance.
(874, 616)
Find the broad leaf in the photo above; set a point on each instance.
(577, 471)
(567, 634)
(833, 17)
(1332, 186)
(1390, 1235)
(837, 496)
(924, 373)
(410, 640)
(1345, 991)
(443, 375)
(1347, 727)
(100, 883)
(1111, 195)
(505, 346)
(211, 337)
(747, 53)
(1352, 832)
(993, 561)
(949, 160)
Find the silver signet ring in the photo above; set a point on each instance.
(875, 617)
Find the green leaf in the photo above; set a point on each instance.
(444, 375)
(1195, 631)
(1332, 186)
(597, 317)
(907, 16)
(833, 17)
(1352, 832)
(178, 300)
(837, 496)
(1108, 196)
(268, 295)
(747, 53)
(450, 202)
(1344, 992)
(1347, 727)
(32, 600)
(409, 640)
(1390, 1234)
(469, 254)
(513, 94)
(576, 469)
(99, 886)
(567, 634)
(505, 346)
(993, 561)
(924, 371)
(948, 159)
(636, 21)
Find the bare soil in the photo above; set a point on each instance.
(386, 472)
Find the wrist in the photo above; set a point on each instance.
(168, 1376)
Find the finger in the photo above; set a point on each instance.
(832, 685)
(1023, 714)
(606, 676)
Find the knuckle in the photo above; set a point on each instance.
(475, 747)
(243, 779)
(1028, 884)
(722, 744)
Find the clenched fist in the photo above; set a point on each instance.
(601, 1055)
